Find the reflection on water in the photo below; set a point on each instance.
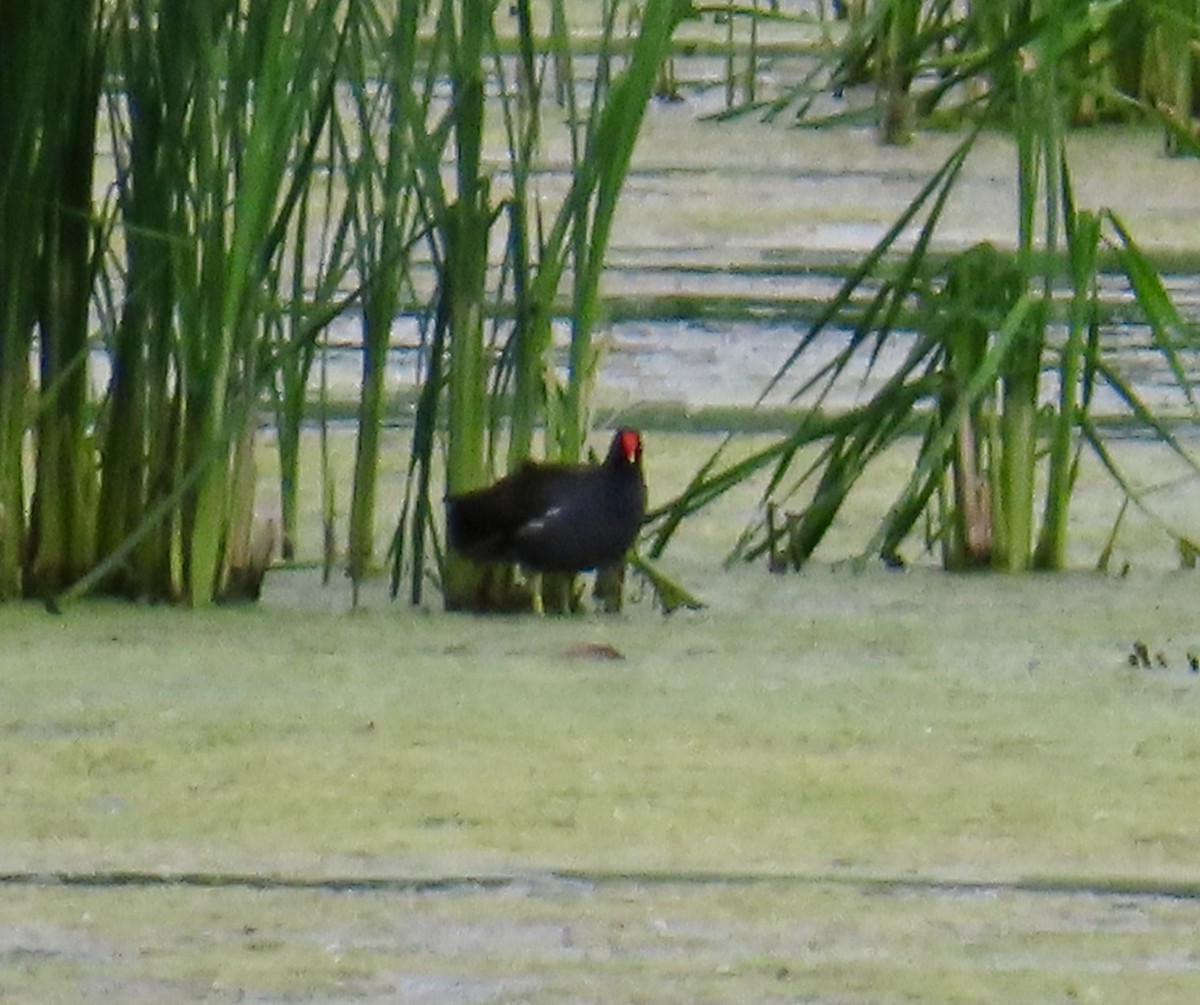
(729, 362)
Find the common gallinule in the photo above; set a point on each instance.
(555, 517)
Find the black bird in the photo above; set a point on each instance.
(555, 517)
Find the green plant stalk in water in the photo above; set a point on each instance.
(62, 512)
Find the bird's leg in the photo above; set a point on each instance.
(535, 585)
(609, 589)
(558, 592)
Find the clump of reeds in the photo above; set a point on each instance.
(990, 330)
(277, 163)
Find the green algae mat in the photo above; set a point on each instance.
(832, 786)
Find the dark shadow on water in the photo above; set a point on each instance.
(1117, 887)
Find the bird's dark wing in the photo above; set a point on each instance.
(483, 524)
(552, 517)
(479, 524)
(581, 526)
